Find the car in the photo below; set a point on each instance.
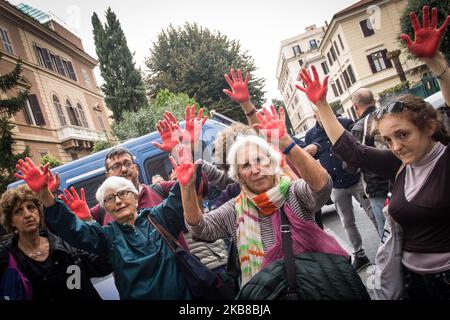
(436, 100)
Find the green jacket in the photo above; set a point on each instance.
(143, 265)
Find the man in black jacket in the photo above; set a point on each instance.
(376, 187)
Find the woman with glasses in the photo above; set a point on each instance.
(417, 163)
(143, 265)
(254, 219)
(44, 259)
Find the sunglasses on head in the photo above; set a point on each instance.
(394, 107)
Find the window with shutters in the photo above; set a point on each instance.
(351, 74)
(336, 93)
(367, 28)
(378, 61)
(333, 53)
(329, 58)
(82, 115)
(32, 111)
(346, 79)
(59, 111)
(325, 68)
(313, 44)
(69, 70)
(73, 114)
(51, 61)
(338, 84)
(100, 120)
(5, 40)
(297, 50)
(57, 62)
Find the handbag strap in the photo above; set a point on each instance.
(285, 229)
(170, 240)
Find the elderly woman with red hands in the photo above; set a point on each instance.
(144, 267)
(252, 219)
(418, 166)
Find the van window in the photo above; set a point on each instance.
(158, 164)
(90, 188)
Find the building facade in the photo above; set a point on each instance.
(354, 52)
(294, 53)
(65, 113)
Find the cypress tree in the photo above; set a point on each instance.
(123, 86)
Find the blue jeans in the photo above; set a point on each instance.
(377, 204)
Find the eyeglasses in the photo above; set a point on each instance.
(30, 208)
(116, 167)
(394, 107)
(110, 199)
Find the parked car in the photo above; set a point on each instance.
(436, 100)
(89, 172)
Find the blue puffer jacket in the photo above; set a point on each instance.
(143, 265)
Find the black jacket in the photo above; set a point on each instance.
(341, 177)
(376, 186)
(49, 278)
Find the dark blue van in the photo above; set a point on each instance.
(89, 172)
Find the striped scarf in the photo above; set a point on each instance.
(248, 208)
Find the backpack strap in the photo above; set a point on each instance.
(285, 229)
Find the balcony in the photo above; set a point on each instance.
(73, 137)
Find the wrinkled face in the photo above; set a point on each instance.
(25, 217)
(121, 205)
(122, 166)
(409, 143)
(255, 169)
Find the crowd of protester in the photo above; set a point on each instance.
(255, 205)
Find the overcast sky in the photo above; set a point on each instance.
(260, 26)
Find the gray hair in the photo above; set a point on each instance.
(261, 145)
(116, 184)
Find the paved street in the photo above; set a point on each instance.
(370, 238)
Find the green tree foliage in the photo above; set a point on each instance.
(136, 124)
(101, 145)
(443, 7)
(123, 87)
(53, 162)
(193, 60)
(279, 103)
(9, 107)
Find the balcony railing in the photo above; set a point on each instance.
(73, 132)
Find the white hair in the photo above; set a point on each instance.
(116, 184)
(261, 145)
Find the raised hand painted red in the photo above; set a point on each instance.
(238, 86)
(34, 177)
(427, 37)
(272, 125)
(314, 90)
(78, 205)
